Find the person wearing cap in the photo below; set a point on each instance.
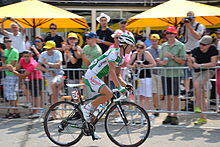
(52, 60)
(154, 50)
(202, 57)
(11, 56)
(104, 38)
(191, 32)
(16, 34)
(35, 82)
(172, 54)
(73, 59)
(91, 50)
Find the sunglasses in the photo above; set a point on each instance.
(53, 28)
(8, 41)
(169, 33)
(140, 47)
(37, 41)
(72, 38)
(203, 44)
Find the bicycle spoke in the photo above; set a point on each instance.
(70, 132)
(134, 134)
(128, 134)
(118, 131)
(63, 112)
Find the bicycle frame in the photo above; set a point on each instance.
(106, 108)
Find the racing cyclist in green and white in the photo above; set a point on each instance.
(109, 62)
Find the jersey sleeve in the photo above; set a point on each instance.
(112, 57)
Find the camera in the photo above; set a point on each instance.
(188, 19)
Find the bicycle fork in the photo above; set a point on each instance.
(121, 112)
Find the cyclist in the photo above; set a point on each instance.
(109, 62)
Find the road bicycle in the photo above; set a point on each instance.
(126, 123)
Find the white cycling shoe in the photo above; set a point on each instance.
(86, 113)
(96, 136)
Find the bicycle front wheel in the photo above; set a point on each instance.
(131, 131)
(63, 123)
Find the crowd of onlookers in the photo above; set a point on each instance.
(185, 46)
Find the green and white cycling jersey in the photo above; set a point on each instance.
(100, 65)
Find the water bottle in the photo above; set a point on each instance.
(98, 109)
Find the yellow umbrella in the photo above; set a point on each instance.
(171, 13)
(36, 14)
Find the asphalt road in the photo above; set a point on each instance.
(30, 133)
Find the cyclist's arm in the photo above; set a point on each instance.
(113, 75)
(118, 74)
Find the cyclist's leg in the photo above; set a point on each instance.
(106, 94)
(96, 85)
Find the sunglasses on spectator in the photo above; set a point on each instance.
(53, 28)
(37, 41)
(203, 44)
(72, 38)
(6, 41)
(169, 33)
(140, 47)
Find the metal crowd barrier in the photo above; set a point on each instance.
(27, 98)
(186, 102)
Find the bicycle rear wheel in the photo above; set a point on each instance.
(63, 123)
(130, 134)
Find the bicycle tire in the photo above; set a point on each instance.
(131, 108)
(56, 123)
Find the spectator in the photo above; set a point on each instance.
(143, 59)
(37, 48)
(154, 50)
(27, 43)
(52, 59)
(218, 39)
(10, 82)
(122, 25)
(204, 56)
(53, 36)
(18, 38)
(73, 58)
(34, 84)
(218, 71)
(172, 54)
(191, 32)
(91, 51)
(104, 38)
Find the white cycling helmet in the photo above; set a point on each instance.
(126, 39)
